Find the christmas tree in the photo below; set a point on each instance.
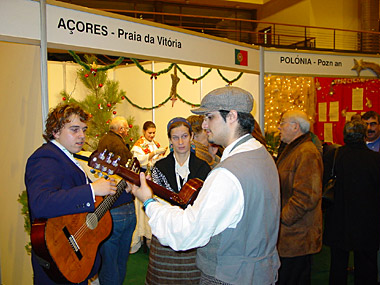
(100, 102)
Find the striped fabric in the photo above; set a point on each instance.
(167, 266)
(209, 280)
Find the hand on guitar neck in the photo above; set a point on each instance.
(144, 192)
(187, 195)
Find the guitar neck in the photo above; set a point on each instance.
(108, 201)
(158, 190)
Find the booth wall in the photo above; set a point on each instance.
(146, 92)
(21, 129)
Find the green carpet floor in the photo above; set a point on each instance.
(138, 262)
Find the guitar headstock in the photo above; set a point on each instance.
(106, 162)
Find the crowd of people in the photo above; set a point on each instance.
(257, 219)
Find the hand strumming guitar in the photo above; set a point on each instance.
(103, 187)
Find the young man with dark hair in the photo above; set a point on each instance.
(234, 221)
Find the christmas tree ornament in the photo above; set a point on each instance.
(122, 97)
(109, 105)
(130, 126)
(100, 85)
(86, 75)
(114, 112)
(100, 106)
(64, 98)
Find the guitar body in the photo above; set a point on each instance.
(64, 262)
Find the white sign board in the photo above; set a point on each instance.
(318, 64)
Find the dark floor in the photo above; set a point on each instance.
(138, 262)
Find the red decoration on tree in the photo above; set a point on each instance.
(130, 126)
(122, 97)
(108, 104)
(100, 85)
(90, 115)
(131, 139)
(64, 98)
(114, 112)
(86, 75)
(100, 106)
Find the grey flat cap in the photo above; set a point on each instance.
(226, 98)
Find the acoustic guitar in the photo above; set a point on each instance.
(66, 246)
(187, 195)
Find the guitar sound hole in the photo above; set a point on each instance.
(91, 221)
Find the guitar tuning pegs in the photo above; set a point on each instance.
(110, 172)
(103, 155)
(110, 155)
(104, 169)
(128, 164)
(93, 171)
(97, 166)
(106, 177)
(115, 162)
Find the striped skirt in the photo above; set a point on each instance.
(167, 266)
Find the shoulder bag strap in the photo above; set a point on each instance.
(333, 166)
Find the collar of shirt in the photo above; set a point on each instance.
(248, 145)
(375, 145)
(183, 170)
(69, 155)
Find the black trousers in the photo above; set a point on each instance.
(365, 266)
(295, 270)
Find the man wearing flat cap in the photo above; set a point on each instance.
(235, 219)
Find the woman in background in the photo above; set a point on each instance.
(203, 149)
(146, 149)
(167, 266)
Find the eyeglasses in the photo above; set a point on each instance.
(284, 122)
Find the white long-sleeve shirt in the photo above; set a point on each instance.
(219, 205)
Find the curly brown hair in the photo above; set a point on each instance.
(59, 116)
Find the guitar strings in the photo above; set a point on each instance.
(102, 209)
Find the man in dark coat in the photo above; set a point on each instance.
(352, 222)
(115, 250)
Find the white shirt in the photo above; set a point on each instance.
(72, 158)
(219, 205)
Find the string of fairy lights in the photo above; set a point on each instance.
(283, 93)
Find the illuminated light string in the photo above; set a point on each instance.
(282, 94)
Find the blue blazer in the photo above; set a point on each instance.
(56, 186)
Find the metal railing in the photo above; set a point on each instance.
(267, 33)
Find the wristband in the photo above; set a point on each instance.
(146, 203)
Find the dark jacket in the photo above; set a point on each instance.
(116, 144)
(55, 187)
(198, 169)
(353, 222)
